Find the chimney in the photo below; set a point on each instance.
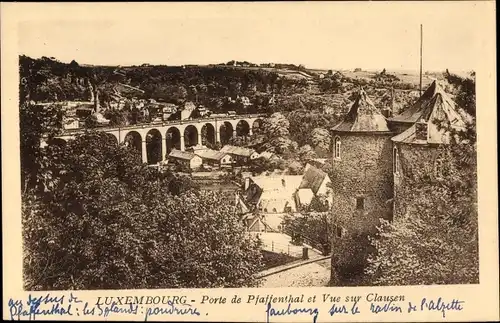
(421, 130)
(386, 112)
(283, 182)
(392, 101)
(247, 183)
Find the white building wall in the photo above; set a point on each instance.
(195, 162)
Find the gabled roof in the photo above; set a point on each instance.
(363, 117)
(240, 151)
(276, 191)
(241, 208)
(267, 155)
(211, 154)
(313, 178)
(179, 154)
(433, 109)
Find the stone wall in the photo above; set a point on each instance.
(364, 170)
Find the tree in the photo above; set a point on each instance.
(91, 122)
(117, 117)
(275, 136)
(106, 221)
(320, 139)
(310, 227)
(35, 122)
(306, 153)
(466, 88)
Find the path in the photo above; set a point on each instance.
(315, 274)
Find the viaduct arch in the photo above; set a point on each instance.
(155, 141)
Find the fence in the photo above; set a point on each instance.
(315, 244)
(279, 247)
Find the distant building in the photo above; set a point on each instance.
(187, 110)
(185, 159)
(214, 158)
(275, 195)
(71, 120)
(245, 101)
(268, 155)
(240, 154)
(168, 109)
(272, 194)
(304, 196)
(317, 181)
(202, 111)
(83, 111)
(101, 120)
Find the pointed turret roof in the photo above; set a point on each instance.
(433, 109)
(363, 117)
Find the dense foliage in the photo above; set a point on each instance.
(437, 241)
(312, 226)
(104, 220)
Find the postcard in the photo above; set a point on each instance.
(249, 161)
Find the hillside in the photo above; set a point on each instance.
(309, 99)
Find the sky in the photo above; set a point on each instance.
(318, 35)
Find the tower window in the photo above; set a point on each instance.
(395, 160)
(336, 146)
(338, 230)
(360, 203)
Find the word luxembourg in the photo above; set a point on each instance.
(270, 298)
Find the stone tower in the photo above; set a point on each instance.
(362, 168)
(416, 150)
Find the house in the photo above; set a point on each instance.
(316, 180)
(268, 155)
(185, 159)
(254, 222)
(167, 110)
(84, 110)
(272, 197)
(214, 158)
(241, 208)
(113, 105)
(304, 196)
(245, 101)
(187, 110)
(100, 119)
(271, 194)
(240, 154)
(202, 111)
(70, 120)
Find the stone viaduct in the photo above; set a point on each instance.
(179, 134)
